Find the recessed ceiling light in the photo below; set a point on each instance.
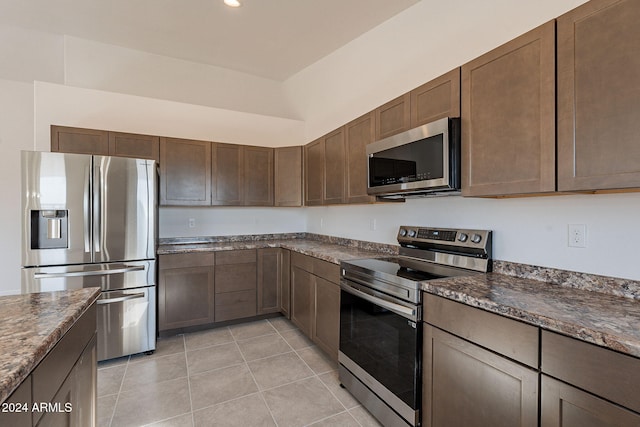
(232, 3)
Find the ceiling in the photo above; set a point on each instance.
(268, 38)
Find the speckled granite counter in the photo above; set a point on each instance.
(31, 325)
(599, 318)
(324, 247)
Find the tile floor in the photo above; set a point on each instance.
(263, 373)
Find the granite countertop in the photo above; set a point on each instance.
(599, 318)
(31, 325)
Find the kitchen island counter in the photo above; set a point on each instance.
(30, 327)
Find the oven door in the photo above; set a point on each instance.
(380, 345)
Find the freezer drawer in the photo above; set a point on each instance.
(107, 276)
(126, 322)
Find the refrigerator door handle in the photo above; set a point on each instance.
(103, 272)
(121, 299)
(86, 203)
(97, 208)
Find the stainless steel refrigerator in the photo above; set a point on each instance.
(91, 221)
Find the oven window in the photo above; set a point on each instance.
(417, 161)
(384, 344)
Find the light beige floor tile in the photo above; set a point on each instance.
(170, 345)
(113, 362)
(364, 418)
(155, 370)
(277, 370)
(341, 420)
(317, 360)
(263, 346)
(301, 403)
(330, 379)
(106, 405)
(110, 379)
(244, 331)
(218, 386)
(185, 420)
(282, 323)
(296, 339)
(207, 338)
(244, 412)
(209, 358)
(152, 402)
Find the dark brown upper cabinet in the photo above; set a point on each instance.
(288, 176)
(185, 172)
(358, 134)
(104, 143)
(436, 99)
(314, 173)
(599, 96)
(334, 167)
(133, 145)
(228, 174)
(258, 176)
(508, 117)
(80, 141)
(393, 117)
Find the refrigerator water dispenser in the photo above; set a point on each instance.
(49, 229)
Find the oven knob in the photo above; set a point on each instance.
(403, 232)
(412, 233)
(476, 238)
(463, 237)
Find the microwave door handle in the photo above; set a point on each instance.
(406, 312)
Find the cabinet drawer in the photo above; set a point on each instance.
(326, 270)
(301, 261)
(508, 337)
(51, 372)
(235, 305)
(613, 376)
(185, 260)
(235, 257)
(235, 277)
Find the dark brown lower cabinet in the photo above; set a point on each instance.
(467, 385)
(185, 290)
(272, 263)
(326, 321)
(301, 298)
(567, 406)
(235, 284)
(285, 284)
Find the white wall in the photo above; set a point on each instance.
(111, 68)
(16, 133)
(31, 55)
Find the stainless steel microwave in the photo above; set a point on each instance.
(419, 162)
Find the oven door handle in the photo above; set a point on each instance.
(401, 310)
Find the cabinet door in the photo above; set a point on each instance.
(358, 134)
(566, 406)
(288, 176)
(228, 175)
(436, 99)
(79, 141)
(314, 173)
(185, 290)
(285, 284)
(185, 172)
(598, 102)
(258, 176)
(334, 167)
(269, 277)
(326, 321)
(301, 298)
(393, 117)
(466, 385)
(508, 117)
(136, 146)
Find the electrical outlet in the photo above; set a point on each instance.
(192, 223)
(578, 235)
(373, 224)
(321, 222)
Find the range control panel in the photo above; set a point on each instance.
(426, 236)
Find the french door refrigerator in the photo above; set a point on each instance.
(91, 221)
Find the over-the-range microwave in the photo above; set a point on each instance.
(419, 162)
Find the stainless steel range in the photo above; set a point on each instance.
(381, 316)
